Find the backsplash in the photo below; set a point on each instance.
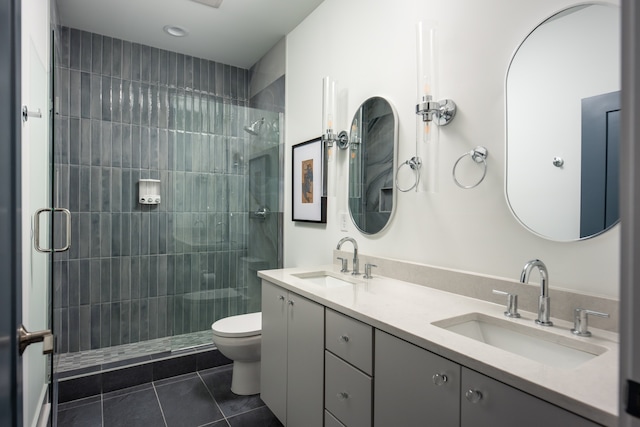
(563, 303)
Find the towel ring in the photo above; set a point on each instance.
(414, 163)
(478, 155)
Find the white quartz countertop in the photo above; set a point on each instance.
(408, 310)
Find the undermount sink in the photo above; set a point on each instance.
(530, 342)
(326, 279)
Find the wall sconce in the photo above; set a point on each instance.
(428, 110)
(329, 136)
(439, 112)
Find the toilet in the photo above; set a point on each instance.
(239, 338)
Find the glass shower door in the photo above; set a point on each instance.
(264, 246)
(37, 204)
(226, 212)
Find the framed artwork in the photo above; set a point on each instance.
(309, 204)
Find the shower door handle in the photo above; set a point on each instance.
(25, 338)
(36, 230)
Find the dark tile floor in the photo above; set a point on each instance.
(202, 398)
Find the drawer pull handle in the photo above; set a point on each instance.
(343, 395)
(473, 396)
(281, 297)
(439, 379)
(291, 302)
(343, 338)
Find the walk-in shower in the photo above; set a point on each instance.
(141, 278)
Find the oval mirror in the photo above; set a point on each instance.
(372, 153)
(562, 98)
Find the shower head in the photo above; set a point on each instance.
(255, 127)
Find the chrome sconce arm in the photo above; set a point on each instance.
(438, 112)
(341, 139)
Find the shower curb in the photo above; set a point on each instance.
(116, 376)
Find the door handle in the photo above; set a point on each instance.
(26, 113)
(25, 338)
(36, 230)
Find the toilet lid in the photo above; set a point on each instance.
(244, 325)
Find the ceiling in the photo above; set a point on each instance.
(239, 33)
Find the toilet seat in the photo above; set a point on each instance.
(243, 325)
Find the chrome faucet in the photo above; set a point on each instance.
(356, 262)
(544, 302)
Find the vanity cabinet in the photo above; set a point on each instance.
(321, 367)
(414, 386)
(348, 370)
(331, 421)
(292, 357)
(487, 402)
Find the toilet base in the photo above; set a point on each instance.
(246, 378)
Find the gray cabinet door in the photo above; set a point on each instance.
(273, 369)
(405, 393)
(499, 405)
(305, 362)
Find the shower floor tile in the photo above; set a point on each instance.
(105, 358)
(196, 399)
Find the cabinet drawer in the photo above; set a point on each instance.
(350, 339)
(331, 421)
(347, 392)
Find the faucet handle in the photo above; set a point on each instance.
(367, 271)
(512, 303)
(581, 323)
(345, 265)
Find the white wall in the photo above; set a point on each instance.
(369, 48)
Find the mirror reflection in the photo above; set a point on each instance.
(372, 151)
(562, 96)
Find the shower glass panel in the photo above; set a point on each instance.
(226, 223)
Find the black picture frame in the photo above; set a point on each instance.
(309, 203)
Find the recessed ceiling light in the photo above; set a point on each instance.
(212, 3)
(175, 31)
